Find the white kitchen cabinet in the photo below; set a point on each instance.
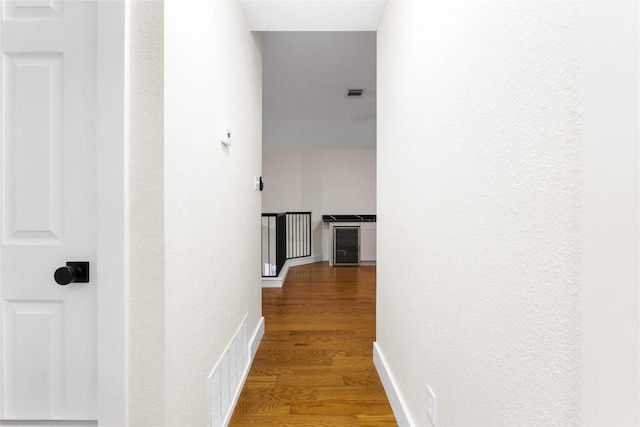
(368, 241)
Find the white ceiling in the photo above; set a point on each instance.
(313, 51)
(305, 80)
(313, 15)
(304, 89)
(306, 75)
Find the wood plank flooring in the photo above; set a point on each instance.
(314, 366)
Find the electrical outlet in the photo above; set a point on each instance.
(431, 405)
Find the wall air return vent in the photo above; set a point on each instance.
(354, 93)
(227, 378)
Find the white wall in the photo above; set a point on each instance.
(312, 194)
(320, 181)
(146, 195)
(282, 176)
(326, 134)
(349, 181)
(610, 354)
(213, 75)
(488, 190)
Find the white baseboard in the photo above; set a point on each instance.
(256, 338)
(306, 260)
(391, 388)
(277, 282)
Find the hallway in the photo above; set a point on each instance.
(314, 365)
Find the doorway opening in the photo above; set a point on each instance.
(319, 130)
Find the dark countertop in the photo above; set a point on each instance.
(349, 218)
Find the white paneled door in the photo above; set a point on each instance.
(48, 209)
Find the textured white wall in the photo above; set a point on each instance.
(479, 207)
(146, 216)
(320, 181)
(213, 74)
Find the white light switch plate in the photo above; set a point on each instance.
(226, 135)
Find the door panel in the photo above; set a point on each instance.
(32, 148)
(35, 382)
(48, 212)
(33, 9)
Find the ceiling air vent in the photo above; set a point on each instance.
(354, 93)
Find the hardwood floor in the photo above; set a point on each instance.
(314, 366)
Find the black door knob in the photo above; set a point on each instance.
(65, 275)
(73, 272)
